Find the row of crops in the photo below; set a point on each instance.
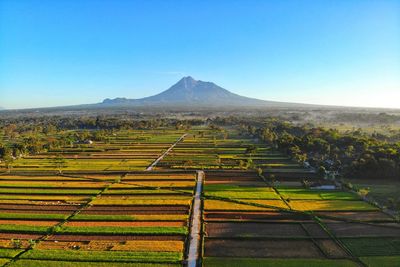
(248, 222)
(94, 219)
(94, 205)
(208, 149)
(122, 151)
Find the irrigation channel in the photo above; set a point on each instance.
(165, 153)
(195, 227)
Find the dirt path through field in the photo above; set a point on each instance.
(195, 227)
(165, 153)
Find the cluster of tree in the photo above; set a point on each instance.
(351, 154)
(365, 117)
(31, 135)
(51, 124)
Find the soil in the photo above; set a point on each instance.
(283, 248)
(343, 229)
(255, 230)
(19, 236)
(331, 249)
(359, 215)
(267, 216)
(315, 230)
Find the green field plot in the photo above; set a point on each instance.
(299, 193)
(381, 261)
(33, 216)
(56, 191)
(240, 192)
(4, 261)
(9, 253)
(364, 247)
(123, 230)
(210, 204)
(13, 228)
(59, 263)
(141, 192)
(104, 256)
(141, 202)
(137, 217)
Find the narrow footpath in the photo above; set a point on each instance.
(195, 227)
(165, 153)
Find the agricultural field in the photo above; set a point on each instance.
(104, 219)
(129, 201)
(121, 151)
(250, 222)
(227, 150)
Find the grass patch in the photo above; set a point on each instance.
(306, 194)
(124, 230)
(48, 263)
(137, 217)
(103, 256)
(364, 246)
(146, 245)
(9, 252)
(239, 192)
(33, 216)
(24, 228)
(210, 204)
(4, 261)
(177, 202)
(382, 261)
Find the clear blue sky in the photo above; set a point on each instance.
(71, 52)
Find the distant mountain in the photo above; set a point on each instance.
(189, 92)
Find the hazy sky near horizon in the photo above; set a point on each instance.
(65, 52)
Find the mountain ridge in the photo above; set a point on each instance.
(190, 92)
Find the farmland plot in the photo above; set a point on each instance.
(94, 205)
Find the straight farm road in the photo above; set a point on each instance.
(165, 153)
(195, 227)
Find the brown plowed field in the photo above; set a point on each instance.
(343, 229)
(19, 236)
(331, 249)
(256, 216)
(255, 248)
(315, 230)
(359, 215)
(255, 230)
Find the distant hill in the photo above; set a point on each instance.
(191, 92)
